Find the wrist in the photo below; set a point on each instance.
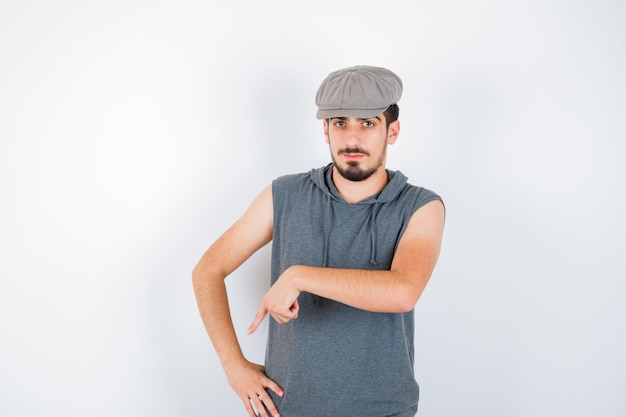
(234, 365)
(232, 360)
(295, 275)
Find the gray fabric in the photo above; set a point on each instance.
(361, 91)
(335, 360)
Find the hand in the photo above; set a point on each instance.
(251, 384)
(281, 301)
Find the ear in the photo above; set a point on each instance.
(393, 132)
(326, 138)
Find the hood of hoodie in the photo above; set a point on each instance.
(322, 178)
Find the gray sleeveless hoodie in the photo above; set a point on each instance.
(335, 360)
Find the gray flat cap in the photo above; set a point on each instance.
(361, 91)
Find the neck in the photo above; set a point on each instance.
(355, 191)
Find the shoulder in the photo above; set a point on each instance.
(418, 196)
(292, 182)
(288, 179)
(423, 195)
(311, 175)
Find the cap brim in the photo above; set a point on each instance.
(358, 113)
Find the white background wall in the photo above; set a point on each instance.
(132, 133)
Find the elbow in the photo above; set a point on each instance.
(408, 297)
(204, 276)
(406, 302)
(196, 277)
(410, 289)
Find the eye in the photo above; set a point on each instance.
(368, 123)
(339, 123)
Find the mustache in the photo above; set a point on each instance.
(354, 150)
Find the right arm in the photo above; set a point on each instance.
(247, 235)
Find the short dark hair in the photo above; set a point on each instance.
(391, 114)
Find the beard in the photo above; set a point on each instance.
(353, 171)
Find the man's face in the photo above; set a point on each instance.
(359, 146)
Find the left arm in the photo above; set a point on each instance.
(394, 291)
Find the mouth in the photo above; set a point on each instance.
(353, 154)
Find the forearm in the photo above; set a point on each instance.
(247, 379)
(371, 290)
(251, 232)
(212, 300)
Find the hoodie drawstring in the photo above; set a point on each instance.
(372, 226)
(328, 227)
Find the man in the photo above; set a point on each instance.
(353, 247)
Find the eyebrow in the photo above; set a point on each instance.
(358, 118)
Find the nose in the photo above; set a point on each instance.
(353, 136)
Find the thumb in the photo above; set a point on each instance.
(295, 307)
(260, 315)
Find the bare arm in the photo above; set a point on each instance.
(393, 291)
(251, 232)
